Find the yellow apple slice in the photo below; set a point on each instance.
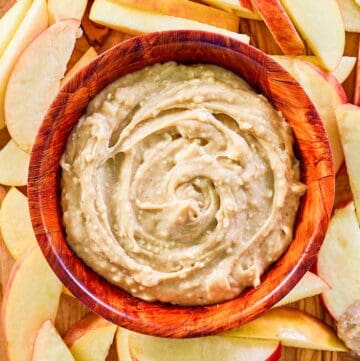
(134, 21)
(90, 338)
(292, 328)
(31, 297)
(310, 285)
(14, 164)
(140, 347)
(321, 25)
(49, 346)
(325, 92)
(90, 55)
(36, 80)
(338, 261)
(188, 10)
(66, 9)
(34, 22)
(280, 26)
(234, 7)
(357, 2)
(15, 223)
(351, 15)
(11, 21)
(348, 120)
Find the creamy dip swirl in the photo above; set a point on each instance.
(180, 184)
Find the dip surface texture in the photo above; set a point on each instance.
(180, 184)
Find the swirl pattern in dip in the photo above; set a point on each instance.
(180, 184)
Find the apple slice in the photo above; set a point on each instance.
(14, 164)
(188, 10)
(11, 21)
(351, 15)
(15, 223)
(31, 297)
(348, 120)
(90, 338)
(66, 9)
(357, 2)
(338, 261)
(357, 84)
(326, 38)
(134, 21)
(325, 92)
(138, 347)
(292, 328)
(235, 7)
(280, 26)
(90, 55)
(36, 80)
(310, 285)
(49, 346)
(34, 22)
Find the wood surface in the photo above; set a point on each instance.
(70, 310)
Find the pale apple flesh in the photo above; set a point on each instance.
(49, 346)
(292, 328)
(90, 338)
(15, 223)
(66, 9)
(338, 261)
(357, 84)
(137, 347)
(348, 120)
(34, 22)
(134, 21)
(188, 10)
(15, 164)
(351, 15)
(280, 26)
(31, 297)
(39, 70)
(327, 38)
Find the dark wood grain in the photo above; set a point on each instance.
(313, 150)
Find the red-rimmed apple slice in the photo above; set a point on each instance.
(36, 80)
(280, 26)
(90, 338)
(292, 328)
(31, 297)
(49, 346)
(138, 347)
(338, 261)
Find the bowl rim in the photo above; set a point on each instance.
(126, 310)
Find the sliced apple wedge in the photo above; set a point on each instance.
(326, 38)
(338, 261)
(39, 70)
(15, 223)
(188, 10)
(49, 346)
(325, 92)
(348, 120)
(310, 285)
(11, 21)
(138, 347)
(280, 26)
(134, 21)
(31, 297)
(66, 9)
(292, 328)
(14, 164)
(34, 22)
(90, 338)
(357, 84)
(351, 15)
(90, 55)
(357, 2)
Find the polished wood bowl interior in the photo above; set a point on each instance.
(312, 148)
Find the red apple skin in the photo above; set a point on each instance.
(246, 4)
(276, 355)
(280, 25)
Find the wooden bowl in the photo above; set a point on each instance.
(313, 150)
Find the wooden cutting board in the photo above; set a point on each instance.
(101, 38)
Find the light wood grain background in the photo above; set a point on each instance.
(100, 38)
